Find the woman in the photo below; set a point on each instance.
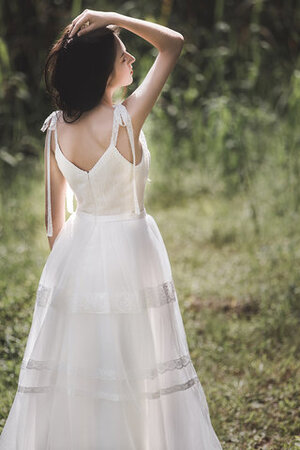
(106, 364)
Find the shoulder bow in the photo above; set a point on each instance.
(50, 122)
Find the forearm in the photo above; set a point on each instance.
(161, 37)
(52, 239)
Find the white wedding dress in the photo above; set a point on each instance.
(106, 364)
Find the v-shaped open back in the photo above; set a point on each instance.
(111, 147)
(120, 117)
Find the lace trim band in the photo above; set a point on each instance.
(107, 374)
(149, 297)
(104, 395)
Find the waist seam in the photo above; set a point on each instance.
(112, 217)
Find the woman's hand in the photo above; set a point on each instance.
(89, 20)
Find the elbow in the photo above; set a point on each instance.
(180, 37)
(175, 45)
(179, 42)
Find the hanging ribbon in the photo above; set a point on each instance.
(50, 125)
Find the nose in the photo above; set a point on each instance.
(132, 58)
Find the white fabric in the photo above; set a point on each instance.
(121, 118)
(106, 364)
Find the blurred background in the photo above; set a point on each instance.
(224, 138)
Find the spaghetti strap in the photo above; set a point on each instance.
(122, 117)
(50, 125)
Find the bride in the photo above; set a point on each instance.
(106, 364)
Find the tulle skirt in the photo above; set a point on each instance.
(106, 364)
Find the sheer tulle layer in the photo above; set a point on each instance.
(106, 364)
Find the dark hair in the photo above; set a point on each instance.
(77, 69)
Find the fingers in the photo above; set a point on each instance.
(78, 22)
(85, 28)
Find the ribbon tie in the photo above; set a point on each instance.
(50, 124)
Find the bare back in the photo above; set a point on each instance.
(86, 140)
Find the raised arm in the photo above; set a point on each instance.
(168, 42)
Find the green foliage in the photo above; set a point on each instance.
(236, 60)
(224, 138)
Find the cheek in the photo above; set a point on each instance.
(124, 68)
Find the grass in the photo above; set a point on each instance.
(239, 292)
(237, 296)
(238, 284)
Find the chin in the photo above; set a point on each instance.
(128, 82)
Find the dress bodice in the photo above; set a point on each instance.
(114, 185)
